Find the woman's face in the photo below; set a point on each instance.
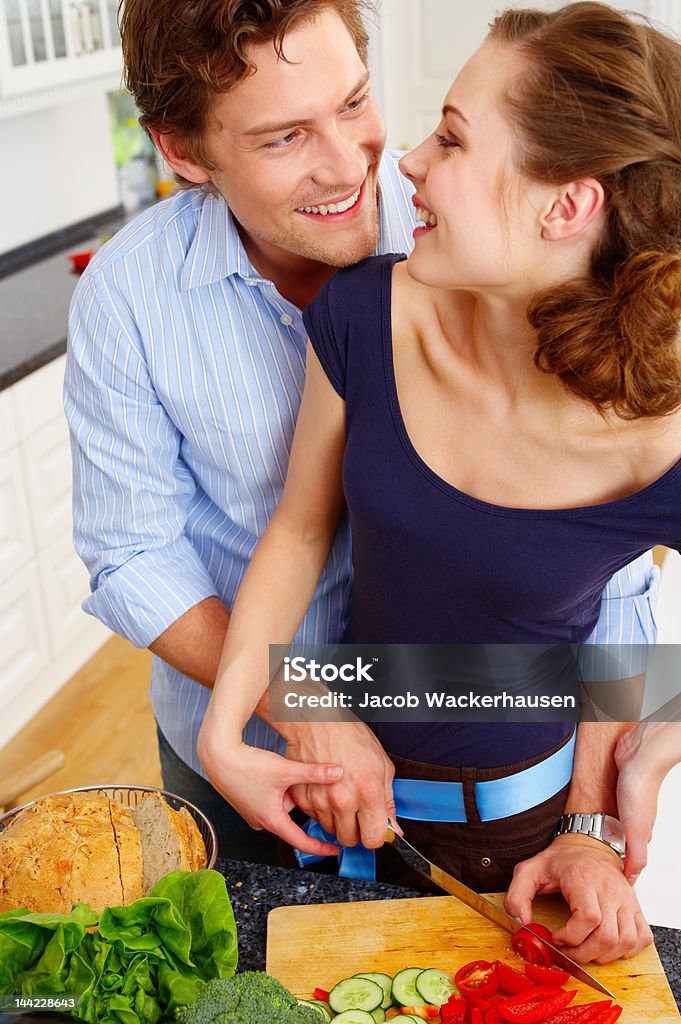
(480, 225)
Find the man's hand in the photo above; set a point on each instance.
(606, 922)
(355, 808)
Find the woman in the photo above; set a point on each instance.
(500, 412)
(644, 756)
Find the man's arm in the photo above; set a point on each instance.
(131, 489)
(606, 921)
(193, 643)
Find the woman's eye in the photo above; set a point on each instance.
(446, 143)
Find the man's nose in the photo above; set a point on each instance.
(342, 160)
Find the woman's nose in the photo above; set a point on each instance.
(414, 164)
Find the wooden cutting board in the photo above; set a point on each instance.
(322, 943)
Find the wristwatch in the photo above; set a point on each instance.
(599, 826)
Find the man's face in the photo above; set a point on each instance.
(297, 147)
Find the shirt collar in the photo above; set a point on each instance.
(216, 250)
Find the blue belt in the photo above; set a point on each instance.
(422, 800)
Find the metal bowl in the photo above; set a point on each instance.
(130, 796)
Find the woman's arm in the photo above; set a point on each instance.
(644, 756)
(281, 579)
(271, 602)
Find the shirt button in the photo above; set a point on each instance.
(286, 319)
(486, 862)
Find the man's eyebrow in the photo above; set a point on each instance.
(449, 109)
(286, 126)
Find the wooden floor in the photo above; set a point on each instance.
(103, 722)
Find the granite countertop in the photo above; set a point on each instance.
(255, 889)
(34, 302)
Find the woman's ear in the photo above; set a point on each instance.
(572, 208)
(174, 151)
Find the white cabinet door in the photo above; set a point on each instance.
(8, 429)
(16, 542)
(49, 43)
(37, 399)
(23, 638)
(64, 584)
(47, 462)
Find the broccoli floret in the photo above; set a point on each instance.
(249, 998)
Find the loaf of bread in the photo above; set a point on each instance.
(86, 848)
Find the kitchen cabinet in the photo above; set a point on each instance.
(45, 44)
(44, 635)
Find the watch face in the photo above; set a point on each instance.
(613, 833)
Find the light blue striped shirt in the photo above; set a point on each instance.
(184, 374)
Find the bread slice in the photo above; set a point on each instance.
(129, 850)
(164, 838)
(196, 843)
(60, 851)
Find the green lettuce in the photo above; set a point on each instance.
(132, 964)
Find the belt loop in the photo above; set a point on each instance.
(468, 777)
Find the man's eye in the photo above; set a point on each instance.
(359, 103)
(285, 141)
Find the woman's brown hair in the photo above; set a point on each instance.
(179, 54)
(600, 96)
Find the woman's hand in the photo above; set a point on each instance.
(643, 757)
(257, 784)
(606, 921)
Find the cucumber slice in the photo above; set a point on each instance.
(378, 1015)
(354, 1017)
(434, 986)
(404, 987)
(323, 1009)
(324, 1015)
(355, 994)
(386, 983)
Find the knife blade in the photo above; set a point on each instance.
(483, 906)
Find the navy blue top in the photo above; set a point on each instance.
(435, 565)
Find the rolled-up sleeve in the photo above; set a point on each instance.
(622, 644)
(131, 489)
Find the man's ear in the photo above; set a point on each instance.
(174, 151)
(572, 208)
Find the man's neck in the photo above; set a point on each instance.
(296, 278)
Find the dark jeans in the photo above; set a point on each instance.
(236, 839)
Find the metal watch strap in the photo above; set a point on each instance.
(588, 825)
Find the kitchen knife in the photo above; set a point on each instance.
(484, 906)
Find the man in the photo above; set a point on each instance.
(186, 365)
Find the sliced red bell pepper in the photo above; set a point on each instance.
(511, 980)
(492, 1016)
(543, 975)
(426, 1012)
(585, 1013)
(476, 1003)
(454, 1010)
(478, 978)
(531, 948)
(608, 1016)
(321, 994)
(536, 1004)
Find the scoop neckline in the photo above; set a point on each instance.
(451, 489)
